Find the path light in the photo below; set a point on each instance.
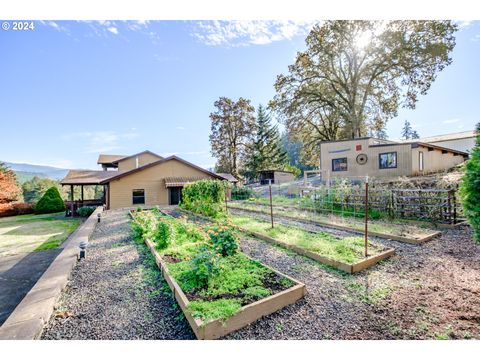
(99, 216)
(83, 249)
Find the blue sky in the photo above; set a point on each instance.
(70, 90)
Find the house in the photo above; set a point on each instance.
(383, 158)
(462, 141)
(275, 176)
(141, 179)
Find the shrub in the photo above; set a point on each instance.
(163, 234)
(470, 188)
(14, 209)
(202, 267)
(223, 240)
(242, 193)
(86, 211)
(204, 197)
(50, 202)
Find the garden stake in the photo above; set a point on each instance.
(366, 216)
(271, 206)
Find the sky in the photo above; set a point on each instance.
(70, 90)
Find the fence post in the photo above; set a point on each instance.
(455, 205)
(366, 216)
(271, 205)
(226, 201)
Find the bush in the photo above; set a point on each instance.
(163, 234)
(242, 193)
(470, 188)
(50, 202)
(204, 197)
(86, 211)
(202, 267)
(14, 209)
(223, 240)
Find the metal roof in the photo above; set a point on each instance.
(109, 159)
(86, 177)
(180, 181)
(446, 137)
(228, 177)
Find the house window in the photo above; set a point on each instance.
(420, 160)
(339, 164)
(138, 196)
(388, 160)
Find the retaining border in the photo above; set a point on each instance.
(30, 316)
(215, 329)
(404, 239)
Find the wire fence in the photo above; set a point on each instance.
(357, 198)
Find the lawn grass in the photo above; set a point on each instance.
(27, 233)
(347, 249)
(396, 228)
(239, 280)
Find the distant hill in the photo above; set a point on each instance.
(27, 171)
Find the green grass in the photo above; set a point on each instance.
(395, 227)
(347, 249)
(27, 233)
(368, 295)
(209, 310)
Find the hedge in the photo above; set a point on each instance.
(206, 197)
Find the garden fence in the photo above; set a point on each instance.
(348, 200)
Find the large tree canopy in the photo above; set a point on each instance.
(354, 76)
(9, 189)
(233, 123)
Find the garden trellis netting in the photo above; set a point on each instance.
(347, 198)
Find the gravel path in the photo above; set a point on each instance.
(428, 291)
(117, 293)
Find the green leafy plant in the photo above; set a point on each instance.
(470, 188)
(86, 211)
(50, 202)
(223, 240)
(242, 193)
(163, 234)
(202, 267)
(206, 197)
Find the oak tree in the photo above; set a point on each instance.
(233, 123)
(354, 72)
(9, 189)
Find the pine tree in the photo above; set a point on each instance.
(470, 188)
(407, 130)
(265, 150)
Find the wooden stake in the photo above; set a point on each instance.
(366, 216)
(271, 205)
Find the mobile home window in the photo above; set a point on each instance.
(420, 160)
(339, 164)
(138, 196)
(388, 160)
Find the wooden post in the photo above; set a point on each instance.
(226, 202)
(366, 216)
(82, 195)
(71, 192)
(271, 205)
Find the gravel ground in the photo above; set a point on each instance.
(117, 293)
(423, 292)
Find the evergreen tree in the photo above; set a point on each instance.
(407, 130)
(265, 150)
(470, 188)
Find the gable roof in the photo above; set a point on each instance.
(138, 154)
(155, 163)
(228, 177)
(109, 159)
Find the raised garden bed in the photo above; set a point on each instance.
(345, 254)
(241, 292)
(391, 231)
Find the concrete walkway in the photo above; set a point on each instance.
(18, 274)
